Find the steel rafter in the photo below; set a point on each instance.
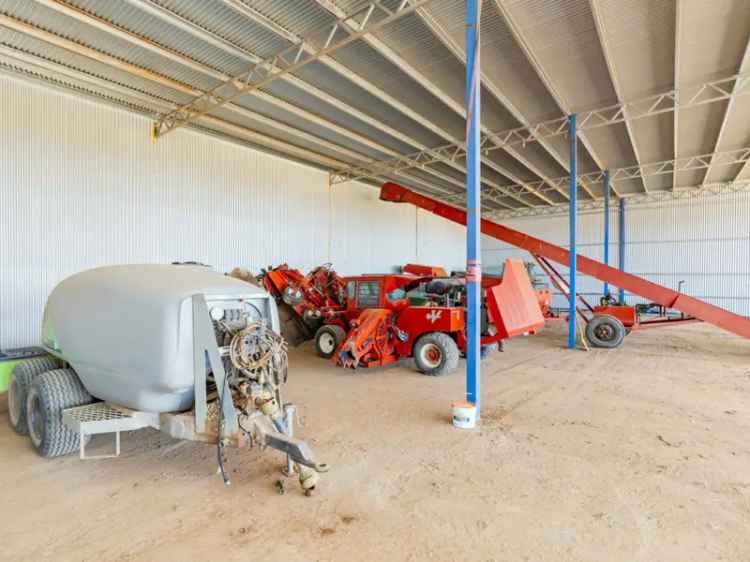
(460, 54)
(327, 40)
(203, 34)
(666, 102)
(609, 61)
(32, 67)
(685, 164)
(113, 93)
(397, 60)
(743, 68)
(134, 70)
(160, 50)
(686, 192)
(562, 105)
(678, 9)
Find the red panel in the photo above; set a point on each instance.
(637, 285)
(513, 304)
(625, 314)
(429, 270)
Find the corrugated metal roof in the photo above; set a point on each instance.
(401, 89)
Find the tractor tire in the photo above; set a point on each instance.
(436, 354)
(328, 339)
(50, 394)
(23, 375)
(605, 331)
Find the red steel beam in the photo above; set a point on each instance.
(632, 283)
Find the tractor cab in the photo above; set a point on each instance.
(387, 291)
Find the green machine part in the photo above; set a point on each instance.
(9, 358)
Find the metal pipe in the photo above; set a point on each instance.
(573, 134)
(606, 228)
(473, 205)
(621, 245)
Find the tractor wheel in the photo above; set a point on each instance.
(605, 331)
(23, 375)
(50, 394)
(327, 340)
(436, 354)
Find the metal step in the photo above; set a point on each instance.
(103, 417)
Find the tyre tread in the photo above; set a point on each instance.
(58, 390)
(25, 373)
(450, 350)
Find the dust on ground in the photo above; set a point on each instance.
(635, 454)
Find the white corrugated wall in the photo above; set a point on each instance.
(704, 242)
(81, 186)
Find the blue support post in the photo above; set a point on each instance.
(606, 227)
(473, 206)
(572, 213)
(621, 245)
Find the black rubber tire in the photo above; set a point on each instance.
(21, 378)
(330, 330)
(50, 394)
(448, 354)
(605, 331)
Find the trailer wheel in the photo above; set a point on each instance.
(605, 331)
(436, 354)
(327, 340)
(50, 394)
(21, 378)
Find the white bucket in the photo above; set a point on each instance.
(464, 415)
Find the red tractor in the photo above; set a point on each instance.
(394, 316)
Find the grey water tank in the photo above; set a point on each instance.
(127, 330)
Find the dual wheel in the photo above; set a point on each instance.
(39, 391)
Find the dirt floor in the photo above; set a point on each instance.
(636, 454)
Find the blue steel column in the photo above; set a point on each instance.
(606, 227)
(473, 206)
(621, 245)
(572, 213)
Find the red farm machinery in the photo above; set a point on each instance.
(606, 323)
(375, 320)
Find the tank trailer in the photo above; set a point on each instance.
(179, 348)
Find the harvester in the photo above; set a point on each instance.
(375, 320)
(394, 316)
(301, 299)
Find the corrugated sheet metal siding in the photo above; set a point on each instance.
(81, 186)
(703, 242)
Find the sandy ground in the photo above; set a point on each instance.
(635, 454)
